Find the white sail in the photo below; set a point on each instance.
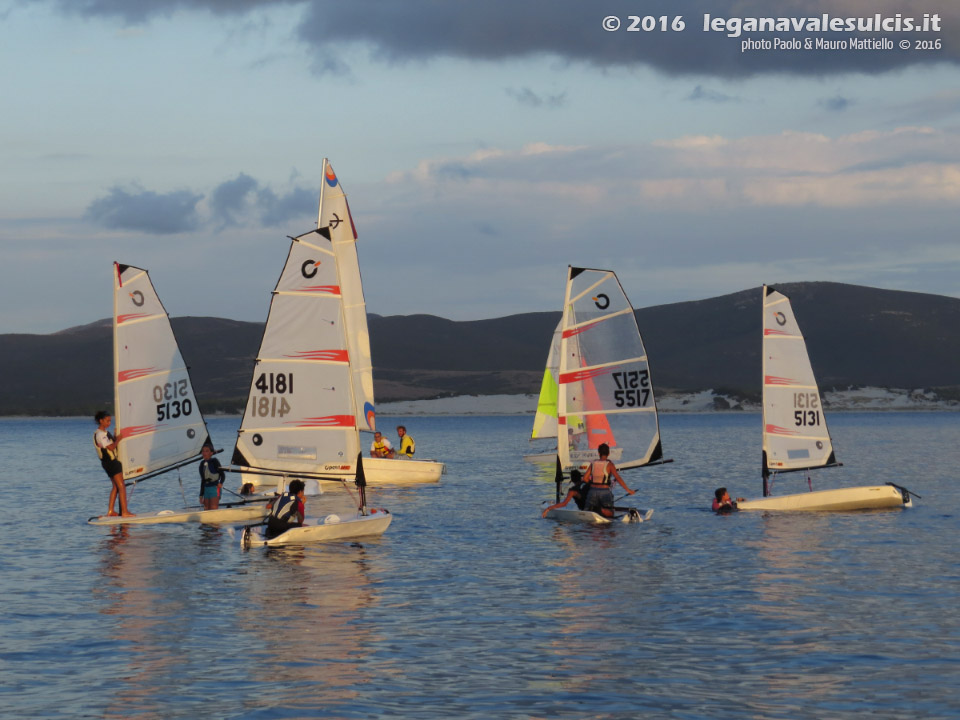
(604, 376)
(156, 409)
(795, 435)
(334, 214)
(299, 415)
(545, 420)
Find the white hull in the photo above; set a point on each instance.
(544, 458)
(585, 516)
(240, 513)
(325, 529)
(857, 498)
(379, 472)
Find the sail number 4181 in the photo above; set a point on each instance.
(271, 384)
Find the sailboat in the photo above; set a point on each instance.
(545, 419)
(605, 390)
(155, 407)
(795, 435)
(312, 388)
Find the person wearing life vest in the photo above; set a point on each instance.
(722, 504)
(381, 447)
(599, 484)
(407, 446)
(106, 445)
(211, 479)
(287, 511)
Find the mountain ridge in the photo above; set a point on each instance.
(857, 336)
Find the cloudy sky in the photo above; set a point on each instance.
(484, 145)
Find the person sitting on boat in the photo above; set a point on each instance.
(381, 447)
(577, 493)
(287, 511)
(106, 445)
(407, 446)
(722, 504)
(211, 479)
(598, 481)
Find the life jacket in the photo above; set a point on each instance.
(102, 453)
(407, 446)
(285, 509)
(379, 447)
(208, 477)
(599, 475)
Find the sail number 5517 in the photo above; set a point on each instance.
(271, 384)
(633, 388)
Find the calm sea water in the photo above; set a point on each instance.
(471, 606)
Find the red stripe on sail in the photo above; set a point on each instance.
(774, 331)
(580, 375)
(576, 331)
(134, 430)
(130, 316)
(777, 430)
(325, 421)
(331, 355)
(134, 373)
(774, 380)
(331, 289)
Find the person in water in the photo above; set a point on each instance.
(722, 503)
(407, 446)
(211, 479)
(381, 447)
(577, 493)
(599, 484)
(287, 511)
(106, 445)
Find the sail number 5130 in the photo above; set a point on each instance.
(633, 388)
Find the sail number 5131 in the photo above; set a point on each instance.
(271, 384)
(633, 388)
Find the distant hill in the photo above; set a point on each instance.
(857, 336)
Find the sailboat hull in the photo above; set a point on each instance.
(241, 513)
(379, 472)
(325, 529)
(592, 518)
(874, 497)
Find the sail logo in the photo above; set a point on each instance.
(309, 269)
(780, 318)
(601, 301)
(331, 176)
(334, 221)
(137, 298)
(370, 414)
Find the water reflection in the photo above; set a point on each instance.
(306, 606)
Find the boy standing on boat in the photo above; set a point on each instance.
(597, 480)
(211, 479)
(106, 446)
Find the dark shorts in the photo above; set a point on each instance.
(112, 467)
(598, 498)
(211, 492)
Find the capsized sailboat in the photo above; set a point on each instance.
(795, 435)
(312, 388)
(605, 390)
(156, 409)
(366, 522)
